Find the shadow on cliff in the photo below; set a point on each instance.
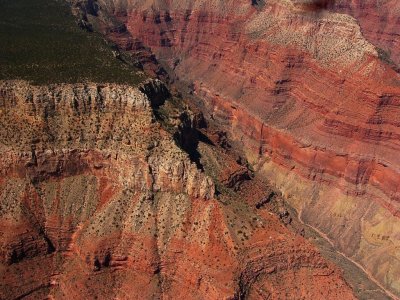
(187, 137)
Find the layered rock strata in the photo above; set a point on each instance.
(308, 95)
(98, 201)
(379, 21)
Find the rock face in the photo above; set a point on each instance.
(379, 21)
(307, 94)
(97, 201)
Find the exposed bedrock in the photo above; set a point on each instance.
(98, 201)
(306, 93)
(379, 21)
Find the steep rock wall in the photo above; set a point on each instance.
(306, 94)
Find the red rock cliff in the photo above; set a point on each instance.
(97, 201)
(306, 94)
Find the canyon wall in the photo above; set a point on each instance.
(305, 91)
(379, 21)
(98, 201)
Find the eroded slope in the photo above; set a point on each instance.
(312, 101)
(97, 200)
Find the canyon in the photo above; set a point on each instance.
(308, 89)
(94, 189)
(219, 150)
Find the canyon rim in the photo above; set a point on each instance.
(181, 149)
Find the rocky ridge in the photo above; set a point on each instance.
(96, 190)
(305, 91)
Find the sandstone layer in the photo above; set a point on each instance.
(99, 202)
(304, 90)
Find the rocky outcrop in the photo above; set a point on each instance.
(306, 93)
(66, 121)
(156, 91)
(98, 201)
(379, 23)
